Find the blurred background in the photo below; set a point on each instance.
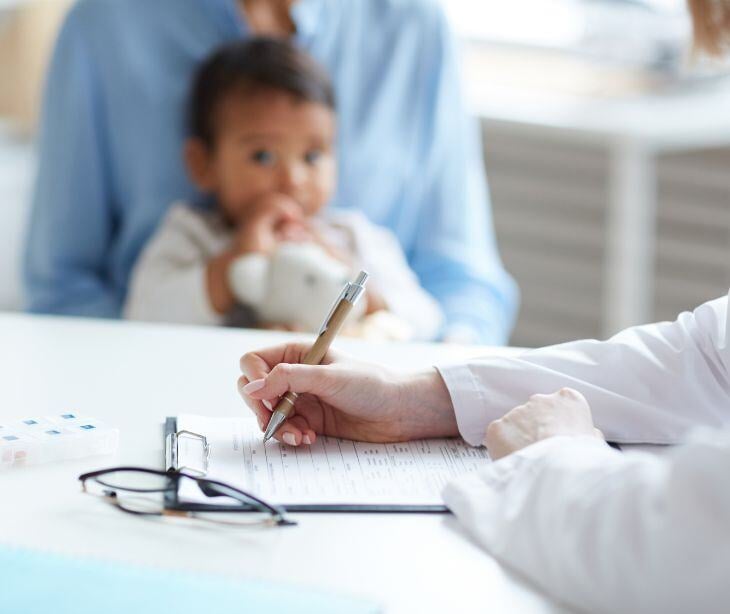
(607, 149)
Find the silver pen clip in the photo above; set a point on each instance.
(350, 293)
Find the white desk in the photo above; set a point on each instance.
(132, 376)
(635, 130)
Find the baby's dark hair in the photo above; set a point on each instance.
(246, 66)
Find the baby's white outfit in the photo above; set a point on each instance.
(169, 283)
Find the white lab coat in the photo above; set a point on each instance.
(599, 529)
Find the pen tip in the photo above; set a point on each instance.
(277, 418)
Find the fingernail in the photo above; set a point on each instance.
(255, 385)
(306, 439)
(289, 439)
(267, 405)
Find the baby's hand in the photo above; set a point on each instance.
(375, 302)
(294, 231)
(267, 222)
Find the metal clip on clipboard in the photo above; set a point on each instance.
(172, 451)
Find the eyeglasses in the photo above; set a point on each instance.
(151, 492)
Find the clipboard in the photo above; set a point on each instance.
(173, 436)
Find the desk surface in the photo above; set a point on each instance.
(689, 117)
(132, 376)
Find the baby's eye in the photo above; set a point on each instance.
(263, 156)
(312, 156)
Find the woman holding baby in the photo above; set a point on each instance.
(119, 154)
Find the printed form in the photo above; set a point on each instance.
(331, 471)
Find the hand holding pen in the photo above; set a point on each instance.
(330, 327)
(340, 397)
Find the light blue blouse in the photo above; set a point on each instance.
(113, 129)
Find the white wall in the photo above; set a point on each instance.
(17, 167)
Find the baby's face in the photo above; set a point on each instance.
(270, 143)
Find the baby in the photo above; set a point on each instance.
(261, 149)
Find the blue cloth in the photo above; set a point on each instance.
(113, 130)
(40, 583)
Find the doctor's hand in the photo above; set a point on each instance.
(345, 398)
(565, 412)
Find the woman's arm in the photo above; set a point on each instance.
(71, 224)
(647, 384)
(605, 531)
(455, 254)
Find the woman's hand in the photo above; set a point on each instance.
(565, 412)
(344, 398)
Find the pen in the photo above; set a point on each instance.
(331, 325)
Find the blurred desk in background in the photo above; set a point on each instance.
(634, 131)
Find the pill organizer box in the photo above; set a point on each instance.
(35, 440)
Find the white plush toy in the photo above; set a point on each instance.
(295, 286)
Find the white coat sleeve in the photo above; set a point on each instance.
(647, 384)
(605, 531)
(168, 282)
